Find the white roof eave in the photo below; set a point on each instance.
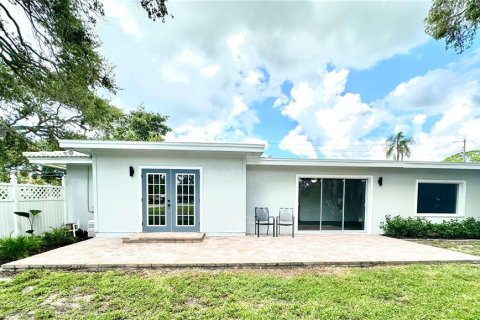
(89, 146)
(59, 162)
(360, 163)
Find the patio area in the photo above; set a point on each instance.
(249, 251)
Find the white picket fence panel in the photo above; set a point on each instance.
(25, 197)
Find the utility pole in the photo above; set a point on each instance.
(464, 147)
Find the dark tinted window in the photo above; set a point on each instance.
(437, 198)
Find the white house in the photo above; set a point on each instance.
(128, 187)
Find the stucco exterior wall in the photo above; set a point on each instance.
(118, 202)
(79, 194)
(276, 187)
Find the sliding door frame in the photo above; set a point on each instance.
(368, 202)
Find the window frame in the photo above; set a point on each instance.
(369, 217)
(460, 210)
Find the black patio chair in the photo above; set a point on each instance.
(285, 218)
(263, 218)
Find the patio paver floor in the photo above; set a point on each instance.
(331, 249)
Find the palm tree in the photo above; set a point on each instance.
(398, 146)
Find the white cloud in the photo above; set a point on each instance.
(172, 75)
(205, 69)
(328, 116)
(254, 77)
(190, 58)
(238, 106)
(297, 143)
(122, 12)
(235, 42)
(419, 119)
(302, 100)
(447, 100)
(237, 126)
(210, 71)
(438, 109)
(175, 68)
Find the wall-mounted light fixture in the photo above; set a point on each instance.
(132, 171)
(380, 181)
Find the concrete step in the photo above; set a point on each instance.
(164, 237)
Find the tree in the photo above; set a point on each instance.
(50, 74)
(470, 156)
(59, 110)
(52, 62)
(398, 146)
(137, 125)
(33, 120)
(59, 41)
(456, 21)
(140, 125)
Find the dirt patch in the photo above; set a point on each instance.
(27, 289)
(61, 305)
(194, 303)
(85, 298)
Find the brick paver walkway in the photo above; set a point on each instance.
(242, 251)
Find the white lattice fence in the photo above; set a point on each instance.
(25, 197)
(27, 192)
(6, 192)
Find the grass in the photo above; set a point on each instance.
(469, 247)
(403, 292)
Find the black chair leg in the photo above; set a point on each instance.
(258, 230)
(293, 230)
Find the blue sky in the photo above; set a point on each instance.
(308, 79)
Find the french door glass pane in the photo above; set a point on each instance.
(354, 204)
(185, 200)
(156, 199)
(309, 204)
(332, 204)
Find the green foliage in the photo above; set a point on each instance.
(66, 49)
(410, 227)
(156, 9)
(49, 89)
(23, 214)
(455, 21)
(140, 125)
(19, 247)
(58, 237)
(30, 216)
(437, 291)
(14, 248)
(470, 156)
(398, 146)
(34, 118)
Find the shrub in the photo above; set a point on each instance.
(12, 248)
(410, 227)
(30, 216)
(58, 237)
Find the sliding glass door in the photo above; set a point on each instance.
(331, 204)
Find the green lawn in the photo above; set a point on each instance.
(470, 247)
(403, 292)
